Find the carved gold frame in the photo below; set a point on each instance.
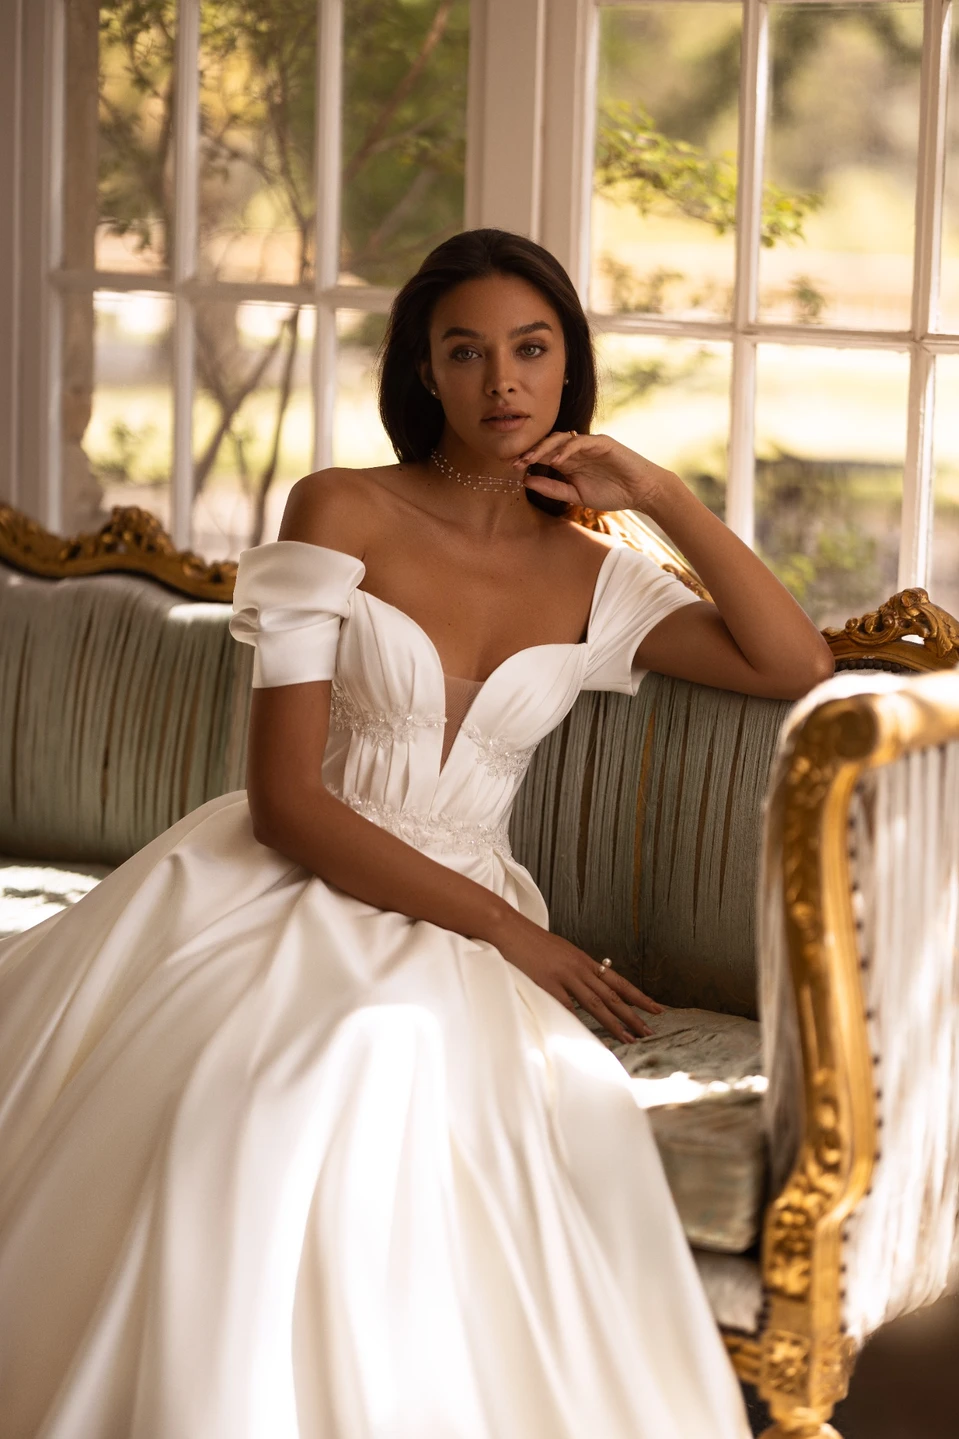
(802, 1356)
(800, 1360)
(132, 540)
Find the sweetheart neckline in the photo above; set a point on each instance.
(526, 650)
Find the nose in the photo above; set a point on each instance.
(499, 375)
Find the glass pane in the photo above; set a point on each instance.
(404, 134)
(664, 203)
(668, 399)
(257, 101)
(944, 579)
(830, 445)
(841, 149)
(949, 281)
(117, 416)
(118, 102)
(359, 439)
(253, 420)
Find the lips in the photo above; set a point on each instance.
(503, 419)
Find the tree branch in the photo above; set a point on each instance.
(381, 124)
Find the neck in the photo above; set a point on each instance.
(470, 462)
(487, 513)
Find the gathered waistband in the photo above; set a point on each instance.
(431, 831)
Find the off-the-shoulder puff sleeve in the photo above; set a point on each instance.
(635, 595)
(288, 602)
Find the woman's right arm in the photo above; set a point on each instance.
(293, 813)
(296, 815)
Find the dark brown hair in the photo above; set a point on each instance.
(412, 417)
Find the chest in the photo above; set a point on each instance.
(480, 610)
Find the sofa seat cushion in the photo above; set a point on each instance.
(699, 1077)
(734, 1288)
(33, 890)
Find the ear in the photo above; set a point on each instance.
(426, 375)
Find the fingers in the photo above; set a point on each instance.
(553, 489)
(631, 994)
(595, 1006)
(552, 450)
(605, 991)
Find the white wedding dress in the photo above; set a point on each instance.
(276, 1164)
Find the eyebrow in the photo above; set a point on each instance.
(476, 335)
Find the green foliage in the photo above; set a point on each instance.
(634, 380)
(808, 300)
(136, 120)
(404, 137)
(810, 531)
(644, 295)
(638, 164)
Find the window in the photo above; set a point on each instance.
(217, 325)
(757, 199)
(773, 187)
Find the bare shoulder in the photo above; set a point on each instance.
(340, 508)
(584, 548)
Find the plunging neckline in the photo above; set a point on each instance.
(517, 654)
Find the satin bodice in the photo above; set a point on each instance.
(438, 759)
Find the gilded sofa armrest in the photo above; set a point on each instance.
(824, 1039)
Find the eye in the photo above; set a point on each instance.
(532, 345)
(462, 352)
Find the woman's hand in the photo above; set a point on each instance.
(598, 472)
(568, 974)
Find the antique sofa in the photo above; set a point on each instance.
(786, 878)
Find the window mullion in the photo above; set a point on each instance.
(917, 474)
(329, 107)
(51, 453)
(753, 93)
(569, 99)
(186, 122)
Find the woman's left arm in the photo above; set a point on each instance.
(754, 638)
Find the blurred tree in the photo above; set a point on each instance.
(638, 164)
(807, 532)
(403, 146)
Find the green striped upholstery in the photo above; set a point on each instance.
(123, 706)
(640, 820)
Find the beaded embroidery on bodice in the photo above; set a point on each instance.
(383, 728)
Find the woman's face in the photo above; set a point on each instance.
(497, 361)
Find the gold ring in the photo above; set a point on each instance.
(573, 433)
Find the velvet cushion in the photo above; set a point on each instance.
(699, 1077)
(123, 706)
(640, 820)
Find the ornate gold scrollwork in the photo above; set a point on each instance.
(785, 1361)
(909, 613)
(805, 1356)
(132, 539)
(633, 529)
(744, 1351)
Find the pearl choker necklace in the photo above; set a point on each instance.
(493, 483)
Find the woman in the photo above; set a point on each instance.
(299, 1137)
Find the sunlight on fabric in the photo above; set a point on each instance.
(680, 1088)
(29, 894)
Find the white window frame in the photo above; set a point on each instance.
(529, 168)
(745, 332)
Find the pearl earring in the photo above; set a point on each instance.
(566, 381)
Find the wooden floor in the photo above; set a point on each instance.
(906, 1382)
